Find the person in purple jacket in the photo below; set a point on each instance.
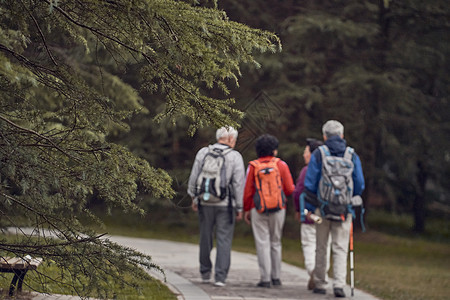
(307, 227)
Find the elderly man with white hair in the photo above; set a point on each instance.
(336, 146)
(216, 185)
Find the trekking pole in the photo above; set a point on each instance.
(352, 269)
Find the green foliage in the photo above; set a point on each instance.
(64, 97)
(50, 279)
(382, 69)
(79, 272)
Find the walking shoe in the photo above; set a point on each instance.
(276, 282)
(311, 284)
(263, 284)
(319, 291)
(339, 292)
(206, 280)
(219, 283)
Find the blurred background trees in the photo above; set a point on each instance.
(380, 67)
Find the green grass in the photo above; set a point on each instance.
(390, 261)
(149, 289)
(48, 278)
(437, 229)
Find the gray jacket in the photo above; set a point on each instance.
(235, 175)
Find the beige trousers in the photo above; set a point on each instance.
(267, 231)
(308, 240)
(340, 234)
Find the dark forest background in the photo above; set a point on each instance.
(380, 67)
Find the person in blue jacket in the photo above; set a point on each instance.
(333, 135)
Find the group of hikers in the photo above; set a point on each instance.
(326, 189)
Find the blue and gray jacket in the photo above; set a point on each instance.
(337, 147)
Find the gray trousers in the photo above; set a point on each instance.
(267, 231)
(340, 235)
(215, 219)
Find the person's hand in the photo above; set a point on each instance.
(194, 206)
(247, 217)
(239, 216)
(308, 216)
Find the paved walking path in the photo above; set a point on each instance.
(180, 262)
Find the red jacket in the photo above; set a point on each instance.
(249, 190)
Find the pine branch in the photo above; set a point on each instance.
(102, 34)
(26, 61)
(31, 209)
(40, 33)
(39, 135)
(53, 245)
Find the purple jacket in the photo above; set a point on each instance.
(299, 188)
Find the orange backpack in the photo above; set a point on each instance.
(269, 196)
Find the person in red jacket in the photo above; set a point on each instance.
(267, 222)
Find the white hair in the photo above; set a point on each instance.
(332, 127)
(226, 131)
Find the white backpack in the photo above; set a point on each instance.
(211, 184)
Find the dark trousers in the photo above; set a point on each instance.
(215, 219)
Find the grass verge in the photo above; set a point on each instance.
(49, 279)
(390, 266)
(149, 290)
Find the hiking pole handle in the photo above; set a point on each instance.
(315, 218)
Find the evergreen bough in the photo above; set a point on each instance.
(61, 96)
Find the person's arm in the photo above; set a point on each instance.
(249, 191)
(357, 176)
(238, 184)
(196, 168)
(299, 188)
(286, 178)
(314, 172)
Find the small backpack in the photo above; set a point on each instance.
(336, 184)
(211, 183)
(269, 196)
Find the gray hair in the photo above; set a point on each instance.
(226, 131)
(332, 127)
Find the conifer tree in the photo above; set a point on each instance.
(61, 97)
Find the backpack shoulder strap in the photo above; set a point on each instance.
(212, 150)
(226, 151)
(349, 153)
(218, 150)
(255, 163)
(275, 160)
(324, 151)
